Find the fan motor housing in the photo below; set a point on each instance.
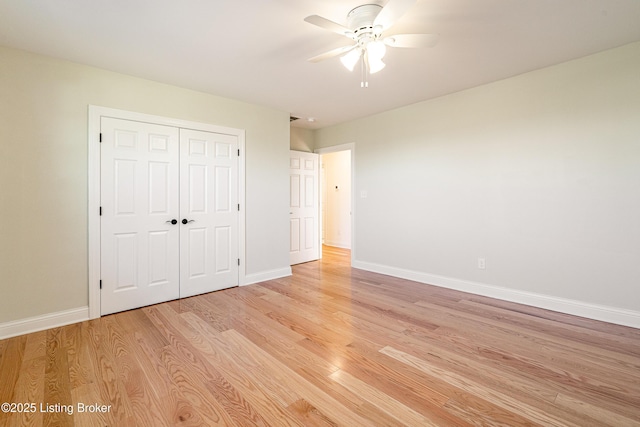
(360, 19)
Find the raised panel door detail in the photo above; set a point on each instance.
(158, 143)
(309, 164)
(124, 186)
(197, 147)
(197, 244)
(125, 139)
(223, 150)
(159, 189)
(309, 235)
(294, 190)
(294, 232)
(309, 191)
(126, 248)
(198, 183)
(222, 247)
(222, 191)
(159, 252)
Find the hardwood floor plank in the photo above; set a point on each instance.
(57, 390)
(238, 408)
(29, 389)
(558, 318)
(173, 406)
(479, 412)
(376, 397)
(594, 414)
(329, 346)
(233, 367)
(309, 416)
(469, 386)
(616, 343)
(110, 389)
(36, 345)
(12, 356)
(283, 375)
(516, 334)
(141, 395)
(190, 385)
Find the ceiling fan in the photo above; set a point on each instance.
(366, 25)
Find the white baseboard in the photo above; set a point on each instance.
(250, 279)
(67, 317)
(43, 322)
(337, 245)
(615, 315)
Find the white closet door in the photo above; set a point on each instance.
(139, 199)
(208, 212)
(303, 214)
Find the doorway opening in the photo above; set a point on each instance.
(337, 202)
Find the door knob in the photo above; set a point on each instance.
(173, 221)
(184, 220)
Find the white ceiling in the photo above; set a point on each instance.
(256, 50)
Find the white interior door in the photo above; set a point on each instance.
(303, 185)
(169, 213)
(208, 212)
(139, 199)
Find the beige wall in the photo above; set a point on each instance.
(43, 173)
(302, 139)
(539, 174)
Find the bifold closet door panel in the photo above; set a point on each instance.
(208, 212)
(139, 199)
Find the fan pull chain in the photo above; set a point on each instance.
(364, 82)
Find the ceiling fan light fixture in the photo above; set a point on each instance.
(365, 26)
(375, 65)
(376, 50)
(351, 59)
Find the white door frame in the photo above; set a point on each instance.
(352, 148)
(93, 138)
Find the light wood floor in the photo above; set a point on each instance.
(330, 345)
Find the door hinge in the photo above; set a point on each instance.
(238, 261)
(100, 136)
(100, 210)
(238, 207)
(100, 283)
(238, 152)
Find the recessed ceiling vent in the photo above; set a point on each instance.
(293, 119)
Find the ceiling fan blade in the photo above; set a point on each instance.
(411, 40)
(327, 24)
(392, 11)
(331, 53)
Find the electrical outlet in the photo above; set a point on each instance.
(481, 264)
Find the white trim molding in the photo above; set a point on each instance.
(603, 313)
(336, 244)
(41, 323)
